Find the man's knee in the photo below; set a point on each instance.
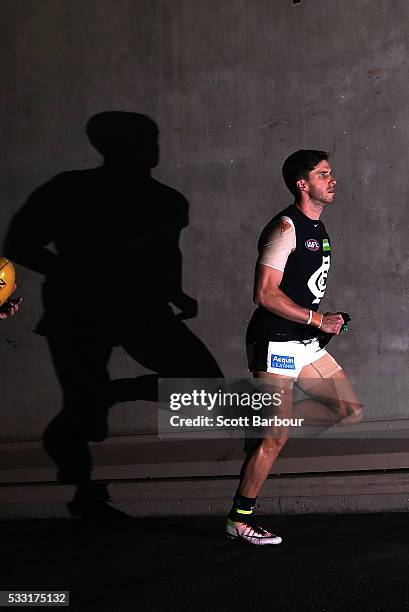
(349, 413)
(354, 415)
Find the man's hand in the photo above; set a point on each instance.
(10, 307)
(331, 322)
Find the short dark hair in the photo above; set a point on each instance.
(299, 164)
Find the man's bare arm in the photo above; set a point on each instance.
(267, 293)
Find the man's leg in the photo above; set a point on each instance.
(332, 398)
(258, 464)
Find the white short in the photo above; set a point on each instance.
(286, 358)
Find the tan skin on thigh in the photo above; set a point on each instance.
(331, 400)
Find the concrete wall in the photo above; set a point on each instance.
(235, 86)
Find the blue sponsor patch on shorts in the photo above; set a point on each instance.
(285, 362)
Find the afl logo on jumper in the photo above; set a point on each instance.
(312, 244)
(318, 281)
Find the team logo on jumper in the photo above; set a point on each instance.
(285, 362)
(312, 244)
(318, 281)
(325, 245)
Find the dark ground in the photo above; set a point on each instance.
(327, 562)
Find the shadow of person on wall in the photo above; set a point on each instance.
(111, 275)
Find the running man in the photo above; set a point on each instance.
(286, 330)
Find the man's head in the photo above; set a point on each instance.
(308, 171)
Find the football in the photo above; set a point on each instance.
(7, 279)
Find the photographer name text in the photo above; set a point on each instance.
(242, 421)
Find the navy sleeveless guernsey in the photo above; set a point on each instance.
(304, 278)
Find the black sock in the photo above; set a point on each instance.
(242, 507)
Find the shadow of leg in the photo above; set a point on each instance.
(139, 388)
(91, 502)
(81, 369)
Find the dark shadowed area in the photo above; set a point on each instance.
(327, 563)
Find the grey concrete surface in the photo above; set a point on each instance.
(282, 494)
(235, 86)
(141, 456)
